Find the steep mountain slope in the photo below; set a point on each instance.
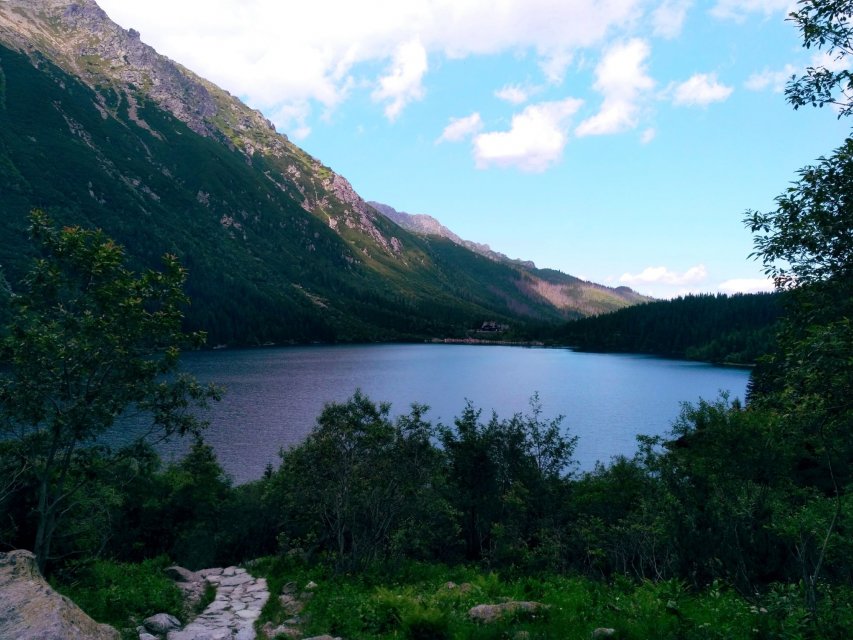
(575, 297)
(99, 129)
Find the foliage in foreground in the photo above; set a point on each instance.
(88, 340)
(416, 601)
(122, 594)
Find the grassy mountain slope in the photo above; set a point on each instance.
(100, 130)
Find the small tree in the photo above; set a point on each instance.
(358, 481)
(88, 340)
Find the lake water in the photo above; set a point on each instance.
(274, 395)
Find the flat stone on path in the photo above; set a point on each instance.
(239, 600)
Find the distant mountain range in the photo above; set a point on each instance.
(100, 130)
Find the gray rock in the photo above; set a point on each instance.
(144, 635)
(161, 623)
(488, 613)
(603, 632)
(290, 605)
(179, 574)
(31, 610)
(281, 630)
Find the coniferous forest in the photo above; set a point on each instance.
(735, 329)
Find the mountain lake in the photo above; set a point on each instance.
(274, 395)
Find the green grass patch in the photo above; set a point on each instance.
(123, 594)
(431, 602)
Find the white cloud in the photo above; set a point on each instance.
(513, 93)
(769, 79)
(830, 62)
(402, 84)
(746, 285)
(275, 54)
(622, 79)
(535, 140)
(554, 65)
(701, 90)
(668, 18)
(738, 10)
(648, 135)
(461, 128)
(295, 114)
(662, 275)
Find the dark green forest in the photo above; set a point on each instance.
(735, 329)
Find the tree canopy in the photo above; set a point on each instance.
(88, 340)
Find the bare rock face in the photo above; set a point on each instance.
(31, 610)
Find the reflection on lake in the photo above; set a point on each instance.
(274, 395)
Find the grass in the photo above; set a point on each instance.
(417, 601)
(431, 602)
(122, 594)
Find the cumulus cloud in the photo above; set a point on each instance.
(769, 79)
(746, 285)
(830, 62)
(513, 93)
(668, 18)
(738, 10)
(274, 54)
(622, 79)
(402, 84)
(648, 135)
(701, 90)
(461, 128)
(535, 140)
(662, 275)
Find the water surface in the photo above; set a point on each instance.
(274, 395)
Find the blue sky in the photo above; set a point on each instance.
(620, 141)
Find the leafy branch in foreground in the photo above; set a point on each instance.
(88, 340)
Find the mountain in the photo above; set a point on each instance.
(98, 129)
(426, 225)
(573, 296)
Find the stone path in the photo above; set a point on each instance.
(231, 616)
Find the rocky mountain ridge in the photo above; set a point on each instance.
(424, 224)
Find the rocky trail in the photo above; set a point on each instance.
(231, 616)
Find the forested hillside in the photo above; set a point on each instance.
(735, 329)
(99, 130)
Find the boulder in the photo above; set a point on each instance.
(290, 605)
(31, 610)
(161, 623)
(487, 613)
(179, 574)
(283, 630)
